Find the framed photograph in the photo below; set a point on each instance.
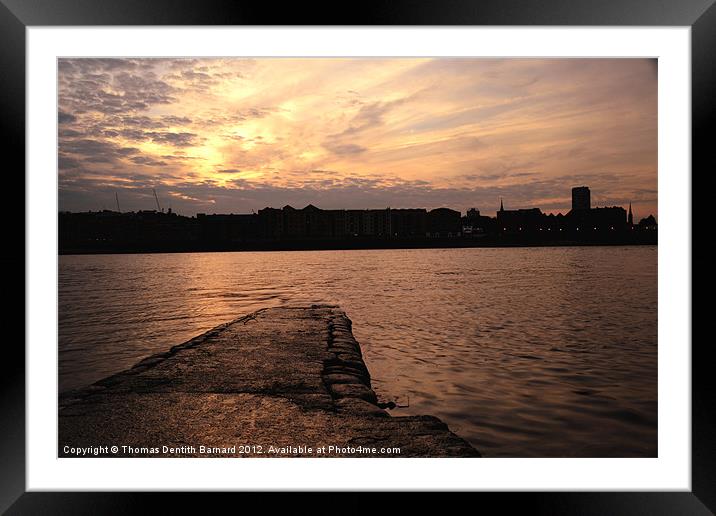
(445, 248)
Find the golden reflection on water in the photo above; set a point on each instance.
(524, 352)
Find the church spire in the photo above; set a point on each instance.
(630, 217)
(501, 207)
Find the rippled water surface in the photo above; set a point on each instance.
(524, 352)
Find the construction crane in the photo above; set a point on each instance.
(159, 208)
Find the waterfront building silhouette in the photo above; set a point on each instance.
(520, 221)
(648, 223)
(581, 198)
(444, 223)
(312, 227)
(475, 225)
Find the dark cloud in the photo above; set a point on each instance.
(75, 152)
(194, 80)
(175, 139)
(254, 112)
(345, 148)
(218, 118)
(192, 75)
(132, 134)
(141, 121)
(143, 160)
(356, 192)
(99, 159)
(65, 118)
(87, 147)
(369, 117)
(110, 86)
(68, 133)
(65, 162)
(168, 138)
(176, 120)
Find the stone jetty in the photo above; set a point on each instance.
(280, 382)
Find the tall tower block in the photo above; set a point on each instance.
(581, 198)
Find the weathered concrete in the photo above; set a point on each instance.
(280, 377)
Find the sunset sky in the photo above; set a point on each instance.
(235, 135)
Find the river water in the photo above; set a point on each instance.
(547, 352)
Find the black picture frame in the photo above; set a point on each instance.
(16, 15)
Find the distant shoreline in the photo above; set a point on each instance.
(338, 246)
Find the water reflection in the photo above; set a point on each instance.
(525, 352)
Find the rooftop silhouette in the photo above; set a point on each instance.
(314, 228)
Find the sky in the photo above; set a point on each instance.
(236, 135)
